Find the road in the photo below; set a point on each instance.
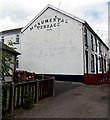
(72, 100)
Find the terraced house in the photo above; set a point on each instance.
(62, 45)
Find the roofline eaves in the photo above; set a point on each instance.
(88, 26)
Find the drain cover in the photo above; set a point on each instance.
(104, 97)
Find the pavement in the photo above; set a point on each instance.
(72, 100)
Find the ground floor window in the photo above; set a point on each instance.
(100, 63)
(92, 63)
(86, 61)
(104, 64)
(96, 63)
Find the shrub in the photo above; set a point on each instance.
(28, 101)
(5, 96)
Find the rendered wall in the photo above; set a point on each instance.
(55, 51)
(12, 37)
(104, 52)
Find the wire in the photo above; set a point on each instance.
(59, 4)
(77, 5)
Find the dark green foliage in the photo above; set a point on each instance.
(6, 61)
(28, 101)
(5, 99)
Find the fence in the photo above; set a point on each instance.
(6, 98)
(13, 96)
(97, 78)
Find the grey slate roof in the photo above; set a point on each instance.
(7, 48)
(11, 30)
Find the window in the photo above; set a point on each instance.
(99, 47)
(92, 63)
(86, 61)
(96, 63)
(100, 63)
(17, 63)
(104, 64)
(85, 36)
(92, 44)
(96, 44)
(17, 39)
(2, 39)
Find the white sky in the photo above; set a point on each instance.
(18, 13)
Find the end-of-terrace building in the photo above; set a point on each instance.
(12, 35)
(62, 45)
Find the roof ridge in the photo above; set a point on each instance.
(69, 14)
(54, 8)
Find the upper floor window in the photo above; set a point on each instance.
(92, 44)
(85, 36)
(99, 47)
(17, 39)
(96, 44)
(2, 39)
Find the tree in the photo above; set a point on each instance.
(7, 61)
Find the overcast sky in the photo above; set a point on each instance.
(18, 13)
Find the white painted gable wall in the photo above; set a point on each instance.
(57, 51)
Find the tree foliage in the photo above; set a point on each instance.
(7, 61)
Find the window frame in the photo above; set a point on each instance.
(95, 44)
(92, 63)
(17, 39)
(85, 37)
(100, 47)
(100, 63)
(105, 66)
(92, 43)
